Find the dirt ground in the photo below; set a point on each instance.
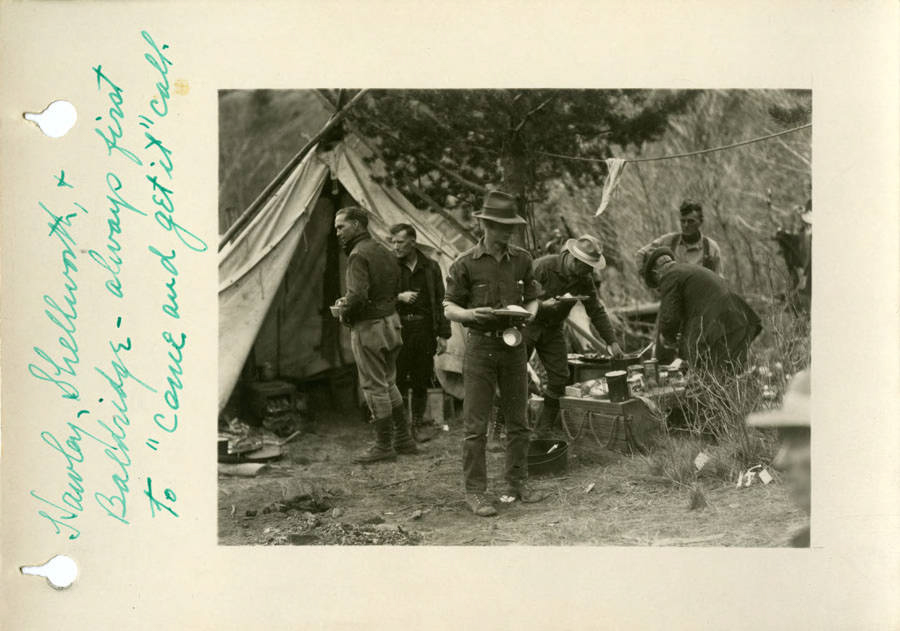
(315, 495)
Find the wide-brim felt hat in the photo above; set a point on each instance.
(588, 250)
(794, 410)
(647, 272)
(500, 207)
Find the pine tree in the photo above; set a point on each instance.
(448, 147)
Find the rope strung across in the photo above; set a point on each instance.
(688, 154)
(615, 166)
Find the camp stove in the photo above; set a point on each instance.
(276, 405)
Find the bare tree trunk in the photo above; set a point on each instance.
(517, 181)
(754, 266)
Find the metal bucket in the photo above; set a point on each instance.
(545, 459)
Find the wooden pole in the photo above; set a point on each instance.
(600, 346)
(251, 211)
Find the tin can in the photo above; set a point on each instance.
(635, 369)
(636, 384)
(650, 372)
(617, 384)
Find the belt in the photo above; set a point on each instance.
(497, 334)
(412, 317)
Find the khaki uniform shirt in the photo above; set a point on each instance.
(477, 279)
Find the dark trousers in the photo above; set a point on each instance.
(550, 344)
(490, 363)
(415, 364)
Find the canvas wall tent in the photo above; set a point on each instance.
(279, 274)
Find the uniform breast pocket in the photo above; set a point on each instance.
(514, 294)
(482, 295)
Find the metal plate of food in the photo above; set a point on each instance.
(594, 358)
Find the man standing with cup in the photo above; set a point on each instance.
(563, 277)
(368, 307)
(425, 329)
(493, 275)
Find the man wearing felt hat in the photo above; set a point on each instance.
(793, 422)
(563, 276)
(700, 319)
(494, 275)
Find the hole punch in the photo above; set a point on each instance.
(56, 120)
(60, 571)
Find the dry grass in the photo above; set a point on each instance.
(747, 193)
(716, 403)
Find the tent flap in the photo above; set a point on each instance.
(252, 268)
(272, 285)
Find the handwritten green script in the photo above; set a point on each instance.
(103, 425)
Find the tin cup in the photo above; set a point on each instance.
(663, 377)
(512, 337)
(617, 382)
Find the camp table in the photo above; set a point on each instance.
(626, 426)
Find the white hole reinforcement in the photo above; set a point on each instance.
(60, 571)
(56, 120)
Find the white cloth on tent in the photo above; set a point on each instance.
(614, 167)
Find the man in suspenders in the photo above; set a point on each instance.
(688, 245)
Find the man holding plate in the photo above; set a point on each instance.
(486, 287)
(565, 278)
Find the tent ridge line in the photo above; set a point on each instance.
(245, 217)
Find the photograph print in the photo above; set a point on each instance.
(514, 317)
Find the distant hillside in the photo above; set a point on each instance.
(259, 131)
